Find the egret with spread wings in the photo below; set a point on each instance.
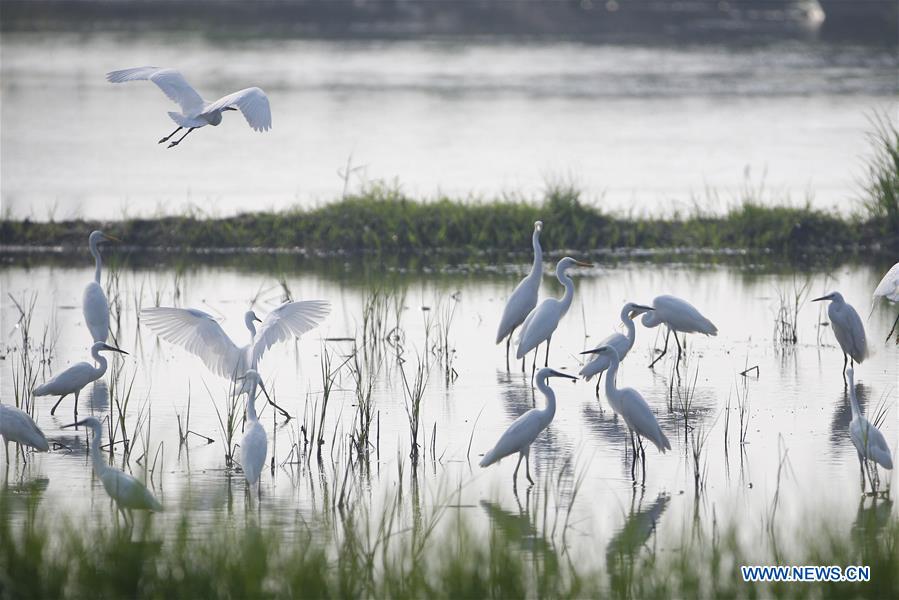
(196, 112)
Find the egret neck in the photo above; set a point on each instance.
(100, 465)
(251, 403)
(537, 267)
(95, 251)
(550, 411)
(611, 377)
(565, 280)
(629, 324)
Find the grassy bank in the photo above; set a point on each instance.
(41, 557)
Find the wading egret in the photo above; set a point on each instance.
(18, 427)
(254, 444)
(196, 112)
(126, 490)
(847, 327)
(889, 288)
(524, 297)
(525, 429)
(200, 334)
(541, 323)
(868, 441)
(621, 342)
(678, 316)
(94, 304)
(73, 379)
(631, 405)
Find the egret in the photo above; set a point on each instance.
(622, 343)
(631, 405)
(525, 429)
(889, 288)
(868, 441)
(678, 316)
(254, 444)
(524, 297)
(94, 303)
(541, 323)
(196, 112)
(200, 334)
(848, 328)
(125, 489)
(18, 427)
(76, 377)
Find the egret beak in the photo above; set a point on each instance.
(229, 108)
(111, 238)
(257, 319)
(583, 264)
(827, 297)
(596, 350)
(639, 309)
(565, 375)
(75, 424)
(113, 348)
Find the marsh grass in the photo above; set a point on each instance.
(880, 187)
(786, 319)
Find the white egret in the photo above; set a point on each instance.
(621, 342)
(94, 303)
(196, 112)
(631, 405)
(524, 297)
(525, 429)
(868, 441)
(76, 377)
(125, 489)
(542, 322)
(254, 444)
(848, 328)
(679, 316)
(200, 334)
(18, 427)
(889, 288)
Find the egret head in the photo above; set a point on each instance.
(633, 309)
(253, 377)
(249, 318)
(103, 346)
(546, 372)
(603, 351)
(538, 226)
(92, 422)
(98, 237)
(833, 297)
(569, 262)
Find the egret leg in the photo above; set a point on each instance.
(892, 329)
(642, 456)
(546, 361)
(527, 465)
(664, 351)
(6, 447)
(515, 472)
(679, 349)
(508, 344)
(598, 381)
(534, 364)
(53, 410)
(523, 366)
(283, 412)
(181, 139)
(845, 362)
(861, 469)
(166, 138)
(75, 407)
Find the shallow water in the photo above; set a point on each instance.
(638, 128)
(797, 406)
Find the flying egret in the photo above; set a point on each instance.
(18, 427)
(868, 441)
(631, 405)
(254, 444)
(622, 343)
(94, 304)
(889, 288)
(541, 323)
(678, 316)
(524, 297)
(196, 112)
(125, 489)
(200, 334)
(76, 377)
(525, 429)
(848, 328)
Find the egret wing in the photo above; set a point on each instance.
(171, 82)
(522, 432)
(518, 307)
(289, 319)
(198, 333)
(17, 426)
(640, 418)
(889, 285)
(95, 308)
(253, 450)
(252, 102)
(67, 382)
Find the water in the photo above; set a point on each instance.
(642, 128)
(797, 407)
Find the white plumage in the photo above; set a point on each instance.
(196, 112)
(18, 427)
(76, 377)
(679, 316)
(847, 328)
(867, 439)
(620, 342)
(94, 305)
(889, 288)
(254, 444)
(542, 322)
(525, 429)
(524, 297)
(125, 489)
(200, 334)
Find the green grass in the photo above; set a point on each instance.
(441, 555)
